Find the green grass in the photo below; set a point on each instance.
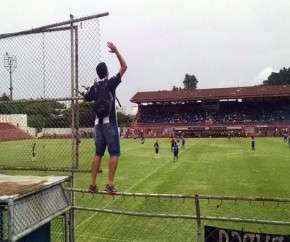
(207, 167)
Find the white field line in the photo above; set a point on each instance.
(169, 160)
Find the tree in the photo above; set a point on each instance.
(123, 119)
(174, 88)
(190, 82)
(280, 78)
(4, 97)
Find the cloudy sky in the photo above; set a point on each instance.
(224, 43)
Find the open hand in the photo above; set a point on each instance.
(112, 47)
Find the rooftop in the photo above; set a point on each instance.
(212, 94)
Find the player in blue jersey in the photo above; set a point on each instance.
(175, 152)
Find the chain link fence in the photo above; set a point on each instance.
(161, 217)
(42, 119)
(44, 71)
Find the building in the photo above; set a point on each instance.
(240, 111)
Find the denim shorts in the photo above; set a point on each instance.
(107, 135)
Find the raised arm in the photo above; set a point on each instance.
(113, 49)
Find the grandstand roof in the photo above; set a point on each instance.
(212, 94)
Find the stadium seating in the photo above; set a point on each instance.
(9, 132)
(229, 113)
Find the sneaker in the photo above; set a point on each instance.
(110, 189)
(93, 189)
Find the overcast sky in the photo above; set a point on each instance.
(224, 43)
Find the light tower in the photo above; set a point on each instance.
(10, 63)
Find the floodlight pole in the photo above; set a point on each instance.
(10, 63)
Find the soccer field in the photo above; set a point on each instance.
(207, 166)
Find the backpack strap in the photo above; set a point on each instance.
(118, 101)
(115, 97)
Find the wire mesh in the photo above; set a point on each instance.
(58, 229)
(159, 217)
(261, 216)
(42, 76)
(45, 127)
(3, 222)
(131, 218)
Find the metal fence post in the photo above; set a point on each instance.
(74, 142)
(72, 94)
(70, 223)
(198, 220)
(76, 88)
(10, 220)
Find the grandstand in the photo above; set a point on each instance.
(217, 112)
(10, 132)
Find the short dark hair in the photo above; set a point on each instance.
(102, 70)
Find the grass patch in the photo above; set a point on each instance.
(207, 166)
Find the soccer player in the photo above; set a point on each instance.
(172, 143)
(229, 136)
(183, 142)
(175, 152)
(142, 140)
(285, 137)
(33, 152)
(253, 143)
(156, 146)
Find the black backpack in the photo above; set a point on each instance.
(104, 99)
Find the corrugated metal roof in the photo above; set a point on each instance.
(13, 186)
(212, 94)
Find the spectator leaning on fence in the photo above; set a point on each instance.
(106, 128)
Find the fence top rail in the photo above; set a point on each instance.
(128, 194)
(46, 27)
(75, 98)
(195, 196)
(236, 198)
(42, 168)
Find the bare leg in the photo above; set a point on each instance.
(113, 163)
(95, 168)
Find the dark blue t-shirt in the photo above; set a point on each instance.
(112, 84)
(175, 149)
